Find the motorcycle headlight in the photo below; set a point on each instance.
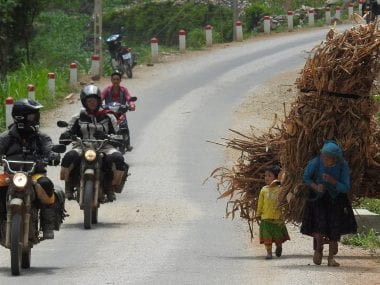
(20, 180)
(90, 155)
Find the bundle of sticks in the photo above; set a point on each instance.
(335, 101)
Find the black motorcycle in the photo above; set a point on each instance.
(122, 58)
(90, 190)
(19, 231)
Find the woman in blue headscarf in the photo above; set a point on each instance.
(328, 213)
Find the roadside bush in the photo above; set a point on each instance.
(369, 240)
(254, 13)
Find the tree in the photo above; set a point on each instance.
(16, 31)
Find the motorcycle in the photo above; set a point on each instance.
(19, 226)
(122, 58)
(90, 190)
(120, 111)
(371, 10)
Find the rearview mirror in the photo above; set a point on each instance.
(59, 148)
(62, 124)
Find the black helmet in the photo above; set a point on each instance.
(26, 114)
(90, 91)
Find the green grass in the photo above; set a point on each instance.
(370, 204)
(369, 240)
(15, 85)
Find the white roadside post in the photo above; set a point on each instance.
(95, 65)
(337, 12)
(182, 40)
(154, 49)
(73, 74)
(51, 83)
(31, 92)
(311, 17)
(208, 35)
(360, 4)
(8, 111)
(290, 21)
(350, 10)
(266, 24)
(239, 31)
(328, 15)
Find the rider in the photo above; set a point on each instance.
(91, 119)
(118, 93)
(23, 141)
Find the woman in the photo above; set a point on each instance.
(328, 213)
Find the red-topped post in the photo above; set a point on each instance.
(208, 35)
(311, 17)
(95, 65)
(31, 92)
(8, 111)
(154, 49)
(328, 15)
(73, 74)
(350, 10)
(290, 20)
(239, 31)
(51, 83)
(337, 12)
(182, 40)
(266, 24)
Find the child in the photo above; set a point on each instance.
(272, 228)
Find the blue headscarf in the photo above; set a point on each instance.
(331, 148)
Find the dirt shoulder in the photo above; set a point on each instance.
(256, 113)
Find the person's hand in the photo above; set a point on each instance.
(54, 159)
(318, 187)
(65, 138)
(328, 178)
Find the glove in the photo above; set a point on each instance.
(54, 159)
(99, 135)
(65, 138)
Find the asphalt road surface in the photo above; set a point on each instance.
(166, 227)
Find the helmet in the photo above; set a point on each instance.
(90, 91)
(26, 114)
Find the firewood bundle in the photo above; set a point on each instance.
(335, 102)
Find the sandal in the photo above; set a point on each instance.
(269, 256)
(317, 258)
(332, 262)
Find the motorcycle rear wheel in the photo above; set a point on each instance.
(88, 197)
(16, 247)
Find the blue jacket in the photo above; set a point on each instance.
(340, 171)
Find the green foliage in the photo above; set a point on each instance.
(254, 13)
(164, 19)
(370, 204)
(15, 85)
(369, 240)
(59, 40)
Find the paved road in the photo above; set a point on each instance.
(166, 227)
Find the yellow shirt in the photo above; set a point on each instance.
(267, 205)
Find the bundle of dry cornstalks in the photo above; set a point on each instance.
(335, 102)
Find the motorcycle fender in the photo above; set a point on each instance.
(16, 203)
(89, 173)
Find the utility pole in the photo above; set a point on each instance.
(235, 17)
(98, 32)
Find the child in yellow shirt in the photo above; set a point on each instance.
(269, 216)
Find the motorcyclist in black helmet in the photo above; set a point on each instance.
(23, 141)
(84, 125)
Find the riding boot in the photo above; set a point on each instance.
(65, 175)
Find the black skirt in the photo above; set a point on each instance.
(330, 217)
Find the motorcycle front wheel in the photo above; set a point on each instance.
(87, 199)
(16, 247)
